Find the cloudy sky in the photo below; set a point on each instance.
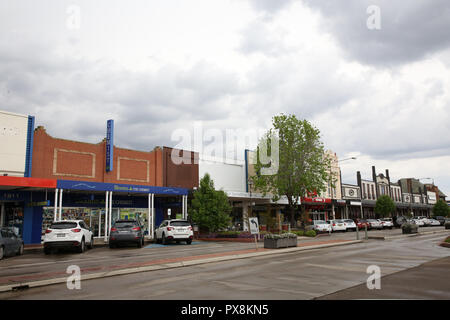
(158, 67)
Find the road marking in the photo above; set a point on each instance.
(343, 268)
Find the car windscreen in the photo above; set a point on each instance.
(319, 222)
(350, 221)
(339, 221)
(125, 224)
(180, 224)
(63, 225)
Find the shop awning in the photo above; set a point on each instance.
(23, 183)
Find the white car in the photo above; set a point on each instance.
(321, 226)
(387, 223)
(418, 222)
(338, 225)
(350, 224)
(68, 234)
(174, 230)
(375, 224)
(433, 222)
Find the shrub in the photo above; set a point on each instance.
(447, 225)
(310, 233)
(280, 236)
(299, 233)
(408, 228)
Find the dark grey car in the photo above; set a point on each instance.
(126, 232)
(10, 243)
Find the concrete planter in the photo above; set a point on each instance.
(409, 229)
(280, 243)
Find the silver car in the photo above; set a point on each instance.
(10, 243)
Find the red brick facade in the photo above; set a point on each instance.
(71, 160)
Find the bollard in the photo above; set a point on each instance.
(365, 230)
(357, 232)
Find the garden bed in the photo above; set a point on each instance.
(445, 243)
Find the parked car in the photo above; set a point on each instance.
(174, 230)
(125, 232)
(68, 234)
(418, 222)
(387, 223)
(338, 225)
(362, 224)
(10, 243)
(350, 224)
(375, 224)
(321, 226)
(441, 219)
(433, 222)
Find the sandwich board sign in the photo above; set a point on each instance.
(254, 226)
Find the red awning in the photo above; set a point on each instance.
(27, 182)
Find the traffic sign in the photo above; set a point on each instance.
(254, 225)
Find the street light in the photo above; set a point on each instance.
(352, 158)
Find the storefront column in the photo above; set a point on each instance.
(2, 215)
(110, 211)
(185, 207)
(150, 219)
(245, 216)
(55, 211)
(333, 211)
(60, 204)
(106, 215)
(182, 207)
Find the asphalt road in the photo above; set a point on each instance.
(300, 275)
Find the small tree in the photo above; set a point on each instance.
(384, 206)
(441, 208)
(210, 208)
(300, 162)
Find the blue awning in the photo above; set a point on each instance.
(118, 187)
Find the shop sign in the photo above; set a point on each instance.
(39, 204)
(109, 145)
(12, 196)
(355, 203)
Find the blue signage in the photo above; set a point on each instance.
(109, 145)
(116, 187)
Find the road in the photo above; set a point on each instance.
(301, 275)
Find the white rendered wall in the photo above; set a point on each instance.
(228, 175)
(13, 143)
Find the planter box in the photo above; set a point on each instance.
(280, 243)
(410, 231)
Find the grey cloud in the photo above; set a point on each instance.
(269, 6)
(410, 30)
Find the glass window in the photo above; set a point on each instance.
(180, 223)
(63, 225)
(373, 192)
(125, 224)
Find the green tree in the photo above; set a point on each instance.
(210, 208)
(385, 206)
(441, 208)
(297, 164)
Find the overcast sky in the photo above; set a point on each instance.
(382, 95)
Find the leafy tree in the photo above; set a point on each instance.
(210, 208)
(297, 165)
(385, 206)
(441, 208)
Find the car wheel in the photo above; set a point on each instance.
(139, 244)
(156, 238)
(82, 247)
(163, 239)
(1, 253)
(20, 251)
(47, 250)
(189, 241)
(177, 241)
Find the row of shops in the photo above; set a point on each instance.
(28, 205)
